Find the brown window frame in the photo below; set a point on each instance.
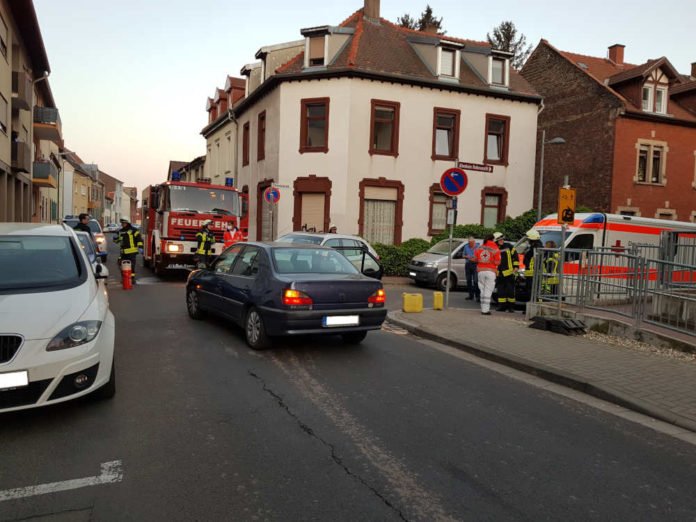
(304, 122)
(399, 216)
(245, 144)
(261, 136)
(435, 190)
(306, 185)
(506, 140)
(394, 146)
(454, 153)
(502, 208)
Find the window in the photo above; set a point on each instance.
(493, 205)
(647, 98)
(316, 51)
(661, 100)
(314, 131)
(224, 262)
(445, 134)
(650, 164)
(381, 210)
(498, 71)
(247, 263)
(384, 128)
(447, 58)
(3, 114)
(438, 210)
(3, 37)
(497, 137)
(261, 137)
(654, 99)
(245, 144)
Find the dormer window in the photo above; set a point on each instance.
(448, 61)
(316, 51)
(655, 92)
(498, 71)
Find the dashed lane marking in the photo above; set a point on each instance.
(111, 473)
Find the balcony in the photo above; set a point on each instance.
(47, 126)
(21, 156)
(45, 174)
(21, 90)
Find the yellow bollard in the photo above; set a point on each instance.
(412, 303)
(438, 300)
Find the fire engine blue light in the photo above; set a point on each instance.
(594, 218)
(176, 176)
(229, 182)
(181, 238)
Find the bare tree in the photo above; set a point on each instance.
(505, 38)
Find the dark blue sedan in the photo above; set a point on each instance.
(276, 289)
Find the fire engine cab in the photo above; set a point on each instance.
(174, 211)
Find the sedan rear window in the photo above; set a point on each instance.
(34, 262)
(300, 239)
(311, 261)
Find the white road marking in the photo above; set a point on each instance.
(111, 473)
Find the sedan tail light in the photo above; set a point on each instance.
(378, 298)
(296, 298)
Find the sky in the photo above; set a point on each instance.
(131, 77)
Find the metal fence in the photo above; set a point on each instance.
(645, 290)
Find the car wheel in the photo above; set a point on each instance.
(193, 305)
(442, 281)
(255, 330)
(109, 389)
(354, 337)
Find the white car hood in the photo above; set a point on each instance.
(42, 315)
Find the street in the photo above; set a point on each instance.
(203, 428)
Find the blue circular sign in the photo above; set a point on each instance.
(453, 181)
(271, 195)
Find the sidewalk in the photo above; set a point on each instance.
(661, 388)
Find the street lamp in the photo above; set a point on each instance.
(554, 141)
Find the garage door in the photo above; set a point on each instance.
(312, 211)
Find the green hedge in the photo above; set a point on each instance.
(395, 259)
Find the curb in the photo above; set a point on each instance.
(566, 379)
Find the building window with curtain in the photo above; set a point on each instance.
(314, 129)
(497, 139)
(445, 134)
(438, 211)
(384, 128)
(493, 206)
(651, 164)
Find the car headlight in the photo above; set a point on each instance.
(175, 247)
(430, 265)
(100, 239)
(75, 335)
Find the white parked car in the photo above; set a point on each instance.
(56, 329)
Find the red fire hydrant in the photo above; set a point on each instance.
(126, 272)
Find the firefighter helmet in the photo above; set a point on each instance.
(533, 235)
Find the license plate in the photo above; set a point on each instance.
(412, 274)
(13, 380)
(341, 320)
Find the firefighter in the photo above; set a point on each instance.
(549, 285)
(131, 242)
(529, 246)
(206, 240)
(507, 272)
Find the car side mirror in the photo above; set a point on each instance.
(100, 271)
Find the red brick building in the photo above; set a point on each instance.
(630, 132)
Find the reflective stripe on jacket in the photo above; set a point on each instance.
(130, 240)
(487, 257)
(551, 269)
(509, 262)
(206, 240)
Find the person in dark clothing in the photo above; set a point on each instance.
(131, 242)
(529, 246)
(507, 272)
(205, 241)
(469, 251)
(83, 224)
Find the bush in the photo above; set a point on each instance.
(515, 228)
(478, 231)
(395, 259)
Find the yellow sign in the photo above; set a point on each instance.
(566, 205)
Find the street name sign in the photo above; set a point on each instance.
(480, 167)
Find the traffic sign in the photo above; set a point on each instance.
(271, 195)
(566, 205)
(453, 182)
(480, 167)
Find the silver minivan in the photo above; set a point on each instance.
(430, 268)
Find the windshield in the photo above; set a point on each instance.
(205, 200)
(93, 225)
(311, 261)
(31, 262)
(300, 239)
(443, 246)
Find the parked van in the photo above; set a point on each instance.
(430, 268)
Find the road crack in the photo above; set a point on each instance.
(334, 455)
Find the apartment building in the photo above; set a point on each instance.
(630, 131)
(357, 122)
(113, 190)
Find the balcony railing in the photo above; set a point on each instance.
(21, 90)
(47, 125)
(21, 156)
(45, 174)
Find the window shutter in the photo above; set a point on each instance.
(316, 48)
(447, 63)
(313, 210)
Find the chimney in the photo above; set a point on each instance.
(430, 28)
(693, 70)
(616, 53)
(372, 9)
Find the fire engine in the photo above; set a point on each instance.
(174, 211)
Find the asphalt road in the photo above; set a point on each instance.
(202, 428)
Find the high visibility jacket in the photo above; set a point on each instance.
(206, 240)
(130, 240)
(487, 257)
(529, 267)
(231, 238)
(551, 269)
(509, 262)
